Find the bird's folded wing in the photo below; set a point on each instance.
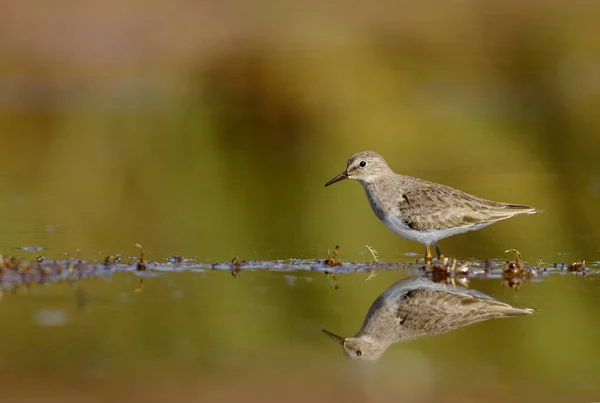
(442, 207)
(427, 312)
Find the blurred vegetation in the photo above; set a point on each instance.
(208, 129)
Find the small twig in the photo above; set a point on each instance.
(235, 266)
(332, 257)
(110, 260)
(332, 262)
(71, 268)
(519, 260)
(331, 276)
(375, 255)
(141, 266)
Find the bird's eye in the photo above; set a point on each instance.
(359, 353)
(362, 164)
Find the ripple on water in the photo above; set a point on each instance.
(51, 317)
(177, 294)
(32, 248)
(123, 297)
(290, 279)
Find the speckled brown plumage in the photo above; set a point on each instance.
(417, 307)
(431, 206)
(429, 312)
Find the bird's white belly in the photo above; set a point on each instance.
(427, 237)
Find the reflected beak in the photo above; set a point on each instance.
(335, 337)
(340, 177)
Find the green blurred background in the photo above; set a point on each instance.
(208, 128)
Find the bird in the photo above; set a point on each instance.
(416, 307)
(420, 210)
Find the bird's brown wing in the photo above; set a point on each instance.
(435, 207)
(427, 312)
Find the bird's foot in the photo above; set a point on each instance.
(428, 257)
(440, 255)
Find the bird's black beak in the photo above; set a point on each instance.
(340, 177)
(335, 337)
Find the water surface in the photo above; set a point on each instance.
(202, 333)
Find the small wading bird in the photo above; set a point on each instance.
(420, 210)
(417, 307)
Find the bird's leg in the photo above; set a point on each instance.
(427, 254)
(439, 252)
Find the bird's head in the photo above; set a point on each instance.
(359, 347)
(365, 167)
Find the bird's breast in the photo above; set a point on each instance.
(377, 202)
(382, 323)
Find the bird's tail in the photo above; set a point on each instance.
(504, 211)
(507, 310)
(519, 209)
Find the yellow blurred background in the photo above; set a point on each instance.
(208, 128)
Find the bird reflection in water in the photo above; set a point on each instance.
(417, 307)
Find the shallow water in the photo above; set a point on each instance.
(198, 332)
